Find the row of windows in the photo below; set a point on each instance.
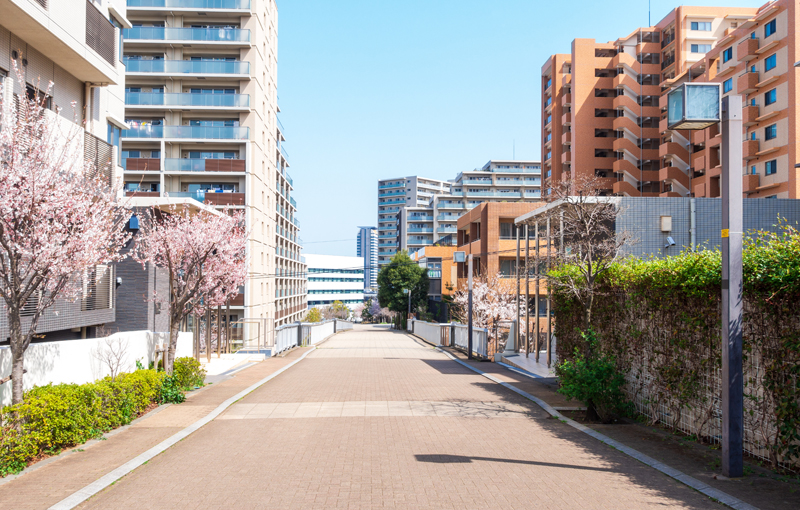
(329, 302)
(769, 29)
(318, 279)
(322, 270)
(349, 291)
(770, 168)
(703, 26)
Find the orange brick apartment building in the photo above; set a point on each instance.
(604, 105)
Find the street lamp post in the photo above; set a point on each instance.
(698, 106)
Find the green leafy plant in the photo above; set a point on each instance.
(171, 391)
(591, 377)
(55, 417)
(189, 373)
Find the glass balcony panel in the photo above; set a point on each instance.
(175, 99)
(186, 66)
(200, 132)
(192, 4)
(186, 34)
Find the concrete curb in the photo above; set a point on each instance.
(101, 483)
(716, 494)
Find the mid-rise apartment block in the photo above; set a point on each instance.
(603, 104)
(367, 248)
(395, 194)
(497, 181)
(335, 278)
(201, 102)
(76, 44)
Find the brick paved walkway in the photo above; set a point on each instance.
(377, 419)
(52, 483)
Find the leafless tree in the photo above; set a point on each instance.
(113, 354)
(587, 238)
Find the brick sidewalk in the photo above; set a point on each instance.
(323, 450)
(55, 481)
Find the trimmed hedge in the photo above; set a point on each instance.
(189, 373)
(55, 417)
(661, 320)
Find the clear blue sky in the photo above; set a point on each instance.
(371, 89)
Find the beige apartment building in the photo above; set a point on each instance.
(201, 101)
(76, 45)
(604, 105)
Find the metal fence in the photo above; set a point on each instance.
(343, 325)
(480, 339)
(452, 335)
(301, 334)
(431, 332)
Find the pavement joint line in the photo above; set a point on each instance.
(108, 479)
(716, 494)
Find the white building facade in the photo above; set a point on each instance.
(335, 278)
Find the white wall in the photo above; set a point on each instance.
(76, 361)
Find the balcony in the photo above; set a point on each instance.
(625, 188)
(747, 83)
(631, 104)
(392, 202)
(566, 100)
(183, 67)
(485, 182)
(750, 183)
(228, 5)
(421, 230)
(188, 101)
(391, 194)
(749, 115)
(675, 174)
(218, 36)
(566, 137)
(141, 164)
(674, 149)
(204, 165)
(747, 50)
(625, 144)
(419, 242)
(699, 162)
(566, 157)
(147, 194)
(420, 218)
(750, 149)
(187, 132)
(397, 185)
(622, 123)
(566, 119)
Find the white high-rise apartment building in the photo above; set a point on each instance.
(394, 195)
(201, 100)
(76, 44)
(367, 248)
(334, 278)
(497, 181)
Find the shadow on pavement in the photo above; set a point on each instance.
(461, 459)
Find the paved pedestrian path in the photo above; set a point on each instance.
(375, 418)
(66, 474)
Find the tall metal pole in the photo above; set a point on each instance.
(527, 291)
(536, 296)
(549, 296)
(516, 269)
(732, 226)
(469, 306)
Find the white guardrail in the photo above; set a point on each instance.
(302, 334)
(456, 333)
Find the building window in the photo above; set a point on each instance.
(701, 48)
(703, 26)
(771, 167)
(727, 54)
(770, 97)
(753, 170)
(770, 28)
(770, 62)
(727, 85)
(771, 132)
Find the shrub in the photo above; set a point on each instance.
(55, 417)
(189, 373)
(171, 391)
(592, 378)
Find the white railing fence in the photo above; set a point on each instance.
(302, 334)
(343, 325)
(429, 331)
(452, 334)
(480, 339)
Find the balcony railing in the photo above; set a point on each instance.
(176, 99)
(186, 66)
(186, 34)
(189, 132)
(421, 230)
(211, 198)
(204, 165)
(192, 4)
(391, 194)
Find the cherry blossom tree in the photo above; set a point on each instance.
(204, 256)
(493, 300)
(59, 217)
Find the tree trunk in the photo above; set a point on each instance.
(17, 356)
(169, 358)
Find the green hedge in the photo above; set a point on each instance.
(661, 321)
(55, 417)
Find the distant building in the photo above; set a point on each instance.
(335, 278)
(395, 194)
(367, 248)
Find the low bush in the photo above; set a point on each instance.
(189, 373)
(591, 377)
(55, 417)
